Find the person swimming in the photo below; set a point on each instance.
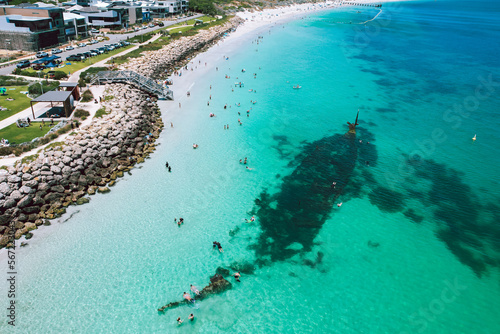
(188, 297)
(250, 220)
(194, 289)
(218, 245)
(191, 317)
(179, 321)
(237, 276)
(339, 204)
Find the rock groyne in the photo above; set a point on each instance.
(89, 161)
(158, 64)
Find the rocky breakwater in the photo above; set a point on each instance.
(88, 161)
(156, 64)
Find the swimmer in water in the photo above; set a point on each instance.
(249, 168)
(339, 204)
(195, 290)
(250, 220)
(188, 297)
(237, 276)
(179, 321)
(191, 317)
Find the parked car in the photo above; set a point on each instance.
(23, 64)
(125, 43)
(56, 51)
(38, 67)
(93, 53)
(93, 42)
(94, 31)
(161, 24)
(102, 49)
(41, 54)
(87, 54)
(69, 48)
(82, 56)
(74, 58)
(151, 25)
(82, 45)
(96, 51)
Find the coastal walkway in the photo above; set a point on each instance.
(135, 79)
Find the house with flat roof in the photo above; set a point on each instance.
(75, 25)
(162, 9)
(31, 28)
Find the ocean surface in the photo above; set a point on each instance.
(415, 246)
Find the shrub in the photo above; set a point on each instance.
(81, 113)
(87, 96)
(12, 81)
(63, 130)
(100, 112)
(58, 75)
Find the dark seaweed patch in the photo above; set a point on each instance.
(385, 82)
(413, 216)
(373, 71)
(386, 110)
(387, 200)
(305, 198)
(469, 228)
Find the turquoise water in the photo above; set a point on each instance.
(414, 247)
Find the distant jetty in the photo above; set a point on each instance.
(362, 4)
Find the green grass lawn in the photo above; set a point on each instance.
(177, 30)
(17, 135)
(191, 22)
(21, 101)
(78, 65)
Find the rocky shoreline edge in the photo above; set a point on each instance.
(91, 159)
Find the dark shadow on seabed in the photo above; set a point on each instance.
(304, 201)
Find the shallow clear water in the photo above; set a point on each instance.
(414, 247)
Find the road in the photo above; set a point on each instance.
(113, 38)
